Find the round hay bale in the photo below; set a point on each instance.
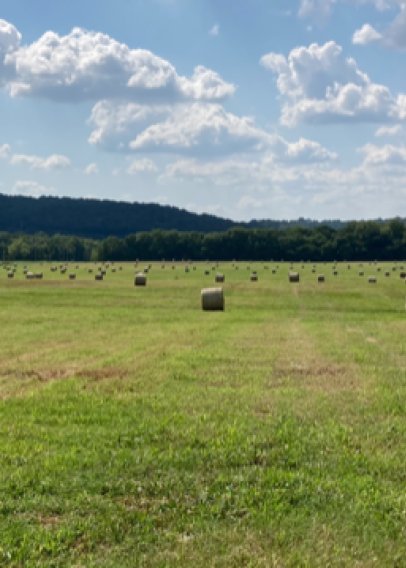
(206, 273)
(320, 278)
(394, 269)
(121, 268)
(254, 278)
(378, 269)
(361, 274)
(140, 279)
(313, 270)
(30, 276)
(146, 270)
(372, 280)
(273, 271)
(212, 300)
(10, 275)
(38, 276)
(220, 278)
(113, 270)
(335, 273)
(294, 277)
(403, 274)
(194, 268)
(98, 277)
(186, 269)
(387, 274)
(90, 270)
(72, 276)
(349, 267)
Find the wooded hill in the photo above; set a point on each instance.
(96, 219)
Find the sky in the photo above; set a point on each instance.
(245, 109)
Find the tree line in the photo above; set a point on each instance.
(365, 240)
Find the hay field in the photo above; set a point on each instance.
(138, 431)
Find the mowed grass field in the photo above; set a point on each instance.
(138, 431)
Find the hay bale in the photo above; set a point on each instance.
(372, 280)
(273, 271)
(140, 279)
(98, 277)
(387, 274)
(220, 278)
(378, 269)
(121, 268)
(90, 271)
(361, 274)
(254, 278)
(38, 276)
(146, 270)
(403, 274)
(294, 277)
(335, 273)
(206, 273)
(313, 270)
(30, 276)
(186, 269)
(10, 274)
(394, 269)
(212, 300)
(320, 278)
(72, 276)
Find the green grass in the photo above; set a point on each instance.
(138, 431)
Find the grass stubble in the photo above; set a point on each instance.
(137, 430)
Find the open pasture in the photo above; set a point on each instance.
(137, 430)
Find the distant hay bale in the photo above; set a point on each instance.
(335, 273)
(320, 278)
(121, 268)
(349, 267)
(378, 269)
(113, 270)
(72, 276)
(206, 272)
(90, 270)
(140, 279)
(146, 270)
(403, 274)
(98, 277)
(273, 271)
(361, 274)
(220, 278)
(394, 269)
(194, 268)
(294, 277)
(254, 278)
(387, 274)
(30, 276)
(39, 276)
(212, 300)
(186, 269)
(313, 270)
(10, 274)
(372, 280)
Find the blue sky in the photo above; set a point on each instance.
(245, 109)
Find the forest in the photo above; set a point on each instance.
(96, 219)
(363, 240)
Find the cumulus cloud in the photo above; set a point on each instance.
(92, 169)
(144, 165)
(195, 130)
(5, 152)
(10, 39)
(389, 131)
(52, 163)
(385, 155)
(318, 86)
(85, 65)
(31, 189)
(392, 37)
(318, 10)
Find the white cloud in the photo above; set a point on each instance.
(5, 152)
(389, 131)
(85, 65)
(52, 163)
(31, 188)
(392, 37)
(249, 202)
(144, 165)
(386, 155)
(367, 34)
(10, 40)
(215, 30)
(319, 86)
(318, 10)
(92, 169)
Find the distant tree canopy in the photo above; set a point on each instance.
(95, 219)
(366, 240)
